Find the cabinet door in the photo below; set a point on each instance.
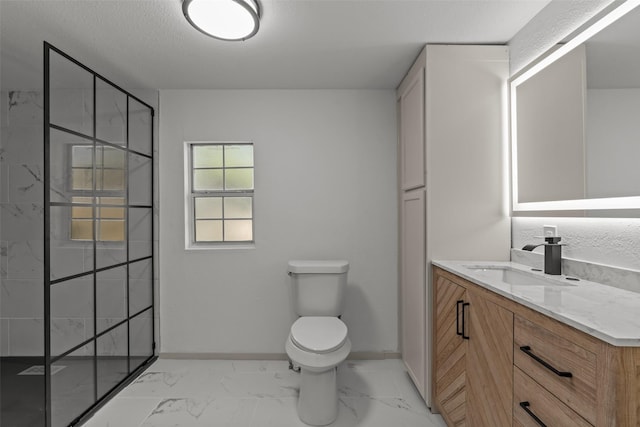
(489, 363)
(413, 286)
(450, 350)
(412, 119)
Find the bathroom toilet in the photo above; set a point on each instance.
(318, 340)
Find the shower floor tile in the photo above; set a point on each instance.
(21, 396)
(194, 393)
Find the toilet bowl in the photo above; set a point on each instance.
(318, 344)
(318, 340)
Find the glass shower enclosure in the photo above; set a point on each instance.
(96, 329)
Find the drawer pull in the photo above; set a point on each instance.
(525, 406)
(526, 349)
(458, 317)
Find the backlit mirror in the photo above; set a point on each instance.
(575, 121)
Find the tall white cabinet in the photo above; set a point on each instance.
(453, 175)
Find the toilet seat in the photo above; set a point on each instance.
(318, 334)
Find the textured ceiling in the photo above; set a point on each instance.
(314, 44)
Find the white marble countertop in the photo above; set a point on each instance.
(605, 312)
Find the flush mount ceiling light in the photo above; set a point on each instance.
(224, 19)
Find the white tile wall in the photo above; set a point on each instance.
(22, 234)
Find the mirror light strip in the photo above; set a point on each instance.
(599, 25)
(577, 204)
(581, 204)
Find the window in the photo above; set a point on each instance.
(110, 186)
(220, 192)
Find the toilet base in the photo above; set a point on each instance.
(318, 400)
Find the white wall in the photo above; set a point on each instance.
(325, 188)
(609, 241)
(612, 241)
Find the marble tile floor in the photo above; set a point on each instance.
(199, 393)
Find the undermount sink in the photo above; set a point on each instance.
(515, 277)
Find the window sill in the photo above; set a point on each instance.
(215, 247)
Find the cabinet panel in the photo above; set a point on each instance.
(489, 363)
(450, 352)
(413, 286)
(412, 141)
(548, 408)
(577, 391)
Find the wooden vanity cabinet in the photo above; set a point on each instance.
(518, 365)
(449, 381)
(473, 356)
(489, 362)
(564, 354)
(539, 402)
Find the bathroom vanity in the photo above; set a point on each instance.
(517, 347)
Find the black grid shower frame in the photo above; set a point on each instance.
(48, 283)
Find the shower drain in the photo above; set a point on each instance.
(39, 370)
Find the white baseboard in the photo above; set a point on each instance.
(356, 355)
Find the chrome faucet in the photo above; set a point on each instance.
(552, 254)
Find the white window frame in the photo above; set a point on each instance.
(190, 195)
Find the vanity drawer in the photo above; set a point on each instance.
(541, 403)
(561, 366)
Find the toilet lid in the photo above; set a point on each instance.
(318, 334)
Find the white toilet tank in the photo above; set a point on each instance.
(318, 287)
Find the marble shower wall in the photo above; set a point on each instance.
(21, 224)
(22, 238)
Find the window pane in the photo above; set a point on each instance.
(110, 164)
(61, 179)
(82, 156)
(81, 229)
(82, 212)
(111, 231)
(238, 230)
(208, 207)
(81, 179)
(111, 213)
(139, 127)
(140, 180)
(85, 200)
(238, 155)
(207, 179)
(71, 313)
(70, 245)
(111, 108)
(140, 232)
(113, 158)
(112, 365)
(237, 207)
(239, 179)
(111, 297)
(113, 179)
(71, 389)
(71, 95)
(140, 285)
(207, 156)
(110, 200)
(141, 338)
(208, 231)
